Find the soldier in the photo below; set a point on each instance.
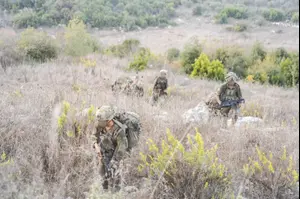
(110, 141)
(160, 85)
(228, 91)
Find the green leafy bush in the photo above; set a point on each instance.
(190, 53)
(78, 41)
(221, 18)
(173, 54)
(37, 46)
(273, 15)
(240, 27)
(290, 70)
(187, 172)
(10, 55)
(258, 53)
(272, 175)
(140, 60)
(233, 12)
(128, 47)
(197, 11)
(280, 54)
(26, 18)
(204, 68)
(295, 17)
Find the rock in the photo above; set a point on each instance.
(244, 121)
(199, 114)
(163, 116)
(130, 189)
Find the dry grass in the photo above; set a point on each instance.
(47, 165)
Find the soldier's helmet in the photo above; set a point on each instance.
(163, 73)
(231, 76)
(105, 113)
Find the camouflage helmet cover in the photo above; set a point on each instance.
(105, 113)
(231, 76)
(163, 72)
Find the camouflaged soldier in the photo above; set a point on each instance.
(109, 140)
(230, 90)
(160, 86)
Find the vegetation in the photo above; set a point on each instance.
(78, 41)
(231, 12)
(190, 53)
(140, 60)
(200, 171)
(173, 54)
(37, 46)
(210, 70)
(273, 15)
(98, 13)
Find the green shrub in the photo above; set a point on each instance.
(197, 11)
(290, 70)
(37, 46)
(173, 54)
(295, 17)
(240, 27)
(221, 18)
(140, 60)
(126, 48)
(187, 172)
(273, 15)
(272, 175)
(238, 64)
(235, 12)
(204, 68)
(258, 53)
(78, 41)
(222, 55)
(275, 77)
(190, 53)
(26, 18)
(280, 54)
(10, 55)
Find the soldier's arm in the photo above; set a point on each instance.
(155, 83)
(94, 135)
(239, 92)
(220, 91)
(122, 145)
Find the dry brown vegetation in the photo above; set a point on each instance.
(39, 162)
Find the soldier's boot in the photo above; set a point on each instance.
(105, 184)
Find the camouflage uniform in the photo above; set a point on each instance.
(113, 144)
(224, 93)
(160, 85)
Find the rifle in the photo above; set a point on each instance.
(230, 103)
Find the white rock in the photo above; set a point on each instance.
(244, 121)
(130, 189)
(199, 114)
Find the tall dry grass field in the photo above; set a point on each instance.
(39, 161)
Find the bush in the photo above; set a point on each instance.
(78, 41)
(204, 68)
(295, 17)
(26, 18)
(240, 27)
(141, 59)
(197, 11)
(290, 70)
(173, 54)
(187, 172)
(258, 53)
(273, 15)
(272, 175)
(37, 46)
(190, 53)
(280, 54)
(126, 48)
(9, 55)
(221, 18)
(234, 12)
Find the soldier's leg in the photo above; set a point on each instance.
(224, 112)
(102, 174)
(235, 114)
